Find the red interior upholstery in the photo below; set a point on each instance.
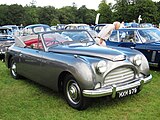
(30, 42)
(34, 43)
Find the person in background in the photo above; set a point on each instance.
(134, 24)
(105, 33)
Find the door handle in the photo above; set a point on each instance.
(20, 54)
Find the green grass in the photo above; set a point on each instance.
(26, 100)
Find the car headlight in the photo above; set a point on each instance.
(101, 66)
(137, 60)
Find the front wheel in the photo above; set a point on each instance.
(73, 94)
(13, 69)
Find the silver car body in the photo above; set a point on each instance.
(99, 71)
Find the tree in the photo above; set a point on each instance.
(129, 10)
(47, 14)
(105, 12)
(16, 14)
(85, 15)
(158, 11)
(3, 15)
(54, 22)
(90, 17)
(124, 10)
(31, 15)
(147, 9)
(67, 14)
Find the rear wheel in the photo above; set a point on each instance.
(73, 94)
(13, 69)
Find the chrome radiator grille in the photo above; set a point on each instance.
(119, 75)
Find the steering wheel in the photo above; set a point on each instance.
(51, 42)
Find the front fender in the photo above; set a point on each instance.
(83, 73)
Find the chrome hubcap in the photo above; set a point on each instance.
(14, 69)
(73, 92)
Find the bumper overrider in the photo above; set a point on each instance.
(104, 91)
(2, 50)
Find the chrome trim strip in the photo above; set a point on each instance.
(119, 75)
(112, 90)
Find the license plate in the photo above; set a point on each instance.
(127, 92)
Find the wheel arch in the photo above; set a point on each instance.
(61, 80)
(9, 61)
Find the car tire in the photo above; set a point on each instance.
(73, 94)
(13, 69)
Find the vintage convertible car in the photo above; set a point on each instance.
(99, 27)
(6, 40)
(146, 40)
(62, 61)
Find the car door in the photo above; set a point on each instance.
(151, 49)
(149, 52)
(128, 38)
(30, 62)
(123, 38)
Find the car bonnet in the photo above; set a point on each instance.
(92, 51)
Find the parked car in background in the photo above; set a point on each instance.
(146, 40)
(92, 27)
(81, 27)
(54, 27)
(99, 27)
(14, 28)
(146, 25)
(79, 68)
(60, 26)
(6, 40)
(132, 25)
(35, 29)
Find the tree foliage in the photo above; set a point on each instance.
(105, 12)
(67, 14)
(158, 11)
(85, 15)
(147, 9)
(129, 10)
(13, 14)
(122, 10)
(31, 15)
(47, 14)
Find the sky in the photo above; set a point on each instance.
(90, 4)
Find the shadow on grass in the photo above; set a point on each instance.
(110, 102)
(155, 68)
(94, 103)
(43, 89)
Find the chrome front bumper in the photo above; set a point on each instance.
(114, 89)
(2, 52)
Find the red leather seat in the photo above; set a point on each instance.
(30, 42)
